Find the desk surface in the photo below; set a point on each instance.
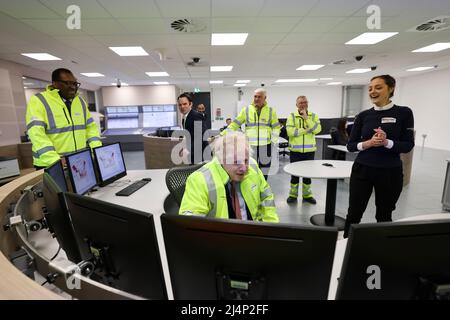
(338, 147)
(315, 169)
(323, 136)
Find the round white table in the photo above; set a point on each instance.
(316, 169)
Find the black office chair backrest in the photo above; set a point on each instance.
(176, 180)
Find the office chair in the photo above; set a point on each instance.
(282, 146)
(176, 180)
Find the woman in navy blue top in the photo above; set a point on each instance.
(380, 134)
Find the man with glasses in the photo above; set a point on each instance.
(58, 121)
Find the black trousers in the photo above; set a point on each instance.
(298, 156)
(388, 184)
(263, 155)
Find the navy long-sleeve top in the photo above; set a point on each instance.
(397, 122)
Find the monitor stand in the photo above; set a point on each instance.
(240, 286)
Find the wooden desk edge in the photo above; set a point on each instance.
(15, 285)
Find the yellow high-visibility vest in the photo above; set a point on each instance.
(54, 131)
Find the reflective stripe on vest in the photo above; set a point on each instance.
(40, 152)
(50, 117)
(260, 139)
(84, 108)
(270, 116)
(302, 146)
(93, 139)
(268, 203)
(90, 120)
(313, 115)
(212, 193)
(265, 193)
(237, 122)
(36, 123)
(66, 129)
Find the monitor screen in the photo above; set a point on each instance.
(401, 261)
(123, 242)
(57, 216)
(81, 171)
(56, 171)
(217, 259)
(110, 163)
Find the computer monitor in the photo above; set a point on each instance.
(56, 214)
(400, 260)
(110, 163)
(123, 242)
(56, 171)
(218, 259)
(81, 171)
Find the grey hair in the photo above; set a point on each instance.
(231, 145)
(261, 90)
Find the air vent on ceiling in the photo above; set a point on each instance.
(188, 25)
(435, 24)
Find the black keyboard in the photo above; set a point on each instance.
(132, 188)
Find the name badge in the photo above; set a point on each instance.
(78, 114)
(388, 120)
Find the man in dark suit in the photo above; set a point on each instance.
(194, 123)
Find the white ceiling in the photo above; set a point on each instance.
(283, 35)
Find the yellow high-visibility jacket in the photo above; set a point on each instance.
(260, 130)
(54, 131)
(205, 193)
(301, 133)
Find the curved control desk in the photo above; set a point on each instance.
(41, 246)
(14, 284)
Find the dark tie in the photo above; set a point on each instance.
(68, 104)
(235, 201)
(182, 122)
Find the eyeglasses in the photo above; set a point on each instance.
(70, 83)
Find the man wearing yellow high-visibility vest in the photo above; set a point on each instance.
(262, 128)
(302, 127)
(230, 186)
(58, 121)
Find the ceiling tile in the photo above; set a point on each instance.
(287, 8)
(88, 8)
(226, 25)
(300, 38)
(236, 8)
(103, 27)
(52, 27)
(318, 24)
(34, 10)
(138, 9)
(145, 26)
(333, 8)
(274, 24)
(184, 9)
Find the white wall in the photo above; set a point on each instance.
(428, 95)
(324, 101)
(9, 129)
(139, 95)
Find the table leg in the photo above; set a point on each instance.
(329, 219)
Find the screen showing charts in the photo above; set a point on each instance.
(81, 171)
(159, 116)
(122, 117)
(110, 161)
